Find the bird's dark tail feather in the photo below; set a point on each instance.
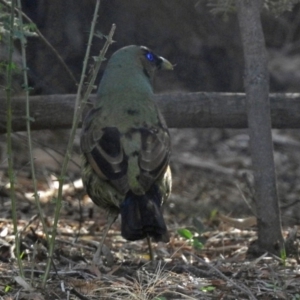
(142, 216)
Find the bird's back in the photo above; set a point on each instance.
(126, 149)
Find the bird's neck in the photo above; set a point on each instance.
(122, 79)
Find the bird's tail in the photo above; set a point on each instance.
(142, 217)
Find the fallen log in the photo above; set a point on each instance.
(181, 110)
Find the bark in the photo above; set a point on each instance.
(181, 110)
(259, 122)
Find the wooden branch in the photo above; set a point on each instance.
(181, 110)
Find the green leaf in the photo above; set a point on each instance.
(185, 233)
(213, 214)
(31, 119)
(7, 289)
(22, 255)
(208, 288)
(283, 256)
(197, 244)
(97, 58)
(31, 26)
(11, 66)
(99, 35)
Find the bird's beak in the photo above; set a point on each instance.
(166, 65)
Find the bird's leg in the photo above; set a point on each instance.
(111, 218)
(150, 248)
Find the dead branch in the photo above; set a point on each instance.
(181, 110)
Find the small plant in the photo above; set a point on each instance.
(283, 256)
(195, 239)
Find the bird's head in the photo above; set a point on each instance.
(131, 67)
(142, 58)
(150, 62)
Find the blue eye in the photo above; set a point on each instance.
(150, 56)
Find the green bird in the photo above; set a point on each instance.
(125, 147)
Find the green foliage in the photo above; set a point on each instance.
(4, 66)
(22, 255)
(20, 31)
(283, 256)
(195, 239)
(99, 35)
(185, 233)
(7, 288)
(225, 7)
(208, 288)
(277, 7)
(4, 22)
(213, 214)
(221, 7)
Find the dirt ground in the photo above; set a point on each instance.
(210, 217)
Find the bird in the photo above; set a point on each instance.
(126, 146)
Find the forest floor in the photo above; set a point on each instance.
(210, 218)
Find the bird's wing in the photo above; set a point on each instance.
(155, 153)
(103, 150)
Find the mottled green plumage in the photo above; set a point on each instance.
(126, 145)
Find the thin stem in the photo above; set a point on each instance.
(28, 121)
(85, 61)
(11, 173)
(79, 105)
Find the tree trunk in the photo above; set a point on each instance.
(259, 123)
